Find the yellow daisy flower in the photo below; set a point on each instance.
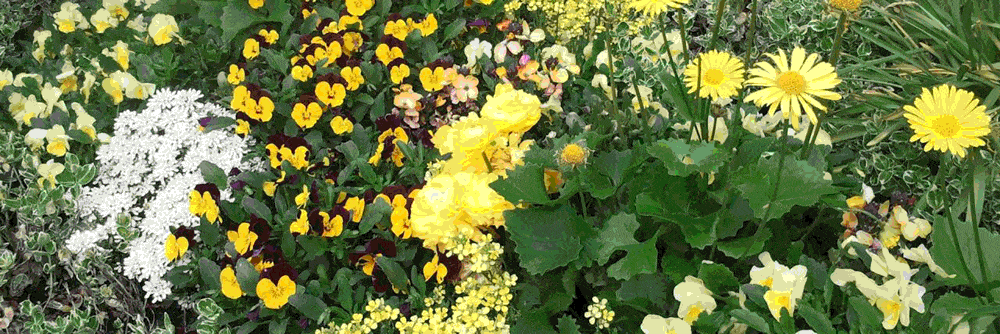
(721, 75)
(793, 86)
(848, 5)
(948, 120)
(655, 7)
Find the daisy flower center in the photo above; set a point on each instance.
(792, 83)
(946, 125)
(714, 77)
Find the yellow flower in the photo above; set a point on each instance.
(240, 102)
(341, 125)
(297, 158)
(117, 9)
(114, 89)
(386, 54)
(236, 74)
(694, 299)
(102, 20)
(793, 86)
(786, 289)
(553, 180)
(306, 117)
(359, 7)
(260, 110)
(353, 77)
(162, 29)
(58, 141)
(230, 287)
(300, 226)
(270, 187)
(433, 268)
(84, 122)
(251, 48)
(270, 36)
(574, 154)
(400, 219)
(302, 72)
(6, 78)
(848, 5)
(511, 110)
(655, 7)
(654, 324)
(275, 296)
(175, 247)
(428, 25)
(398, 29)
(332, 226)
(120, 53)
(948, 120)
(432, 80)
(330, 94)
(48, 172)
(357, 207)
(721, 75)
(242, 127)
(256, 4)
(203, 205)
(301, 198)
(398, 73)
(243, 238)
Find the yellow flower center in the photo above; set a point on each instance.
(714, 77)
(848, 5)
(573, 154)
(692, 314)
(890, 309)
(792, 83)
(946, 126)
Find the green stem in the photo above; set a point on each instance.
(583, 204)
(684, 41)
(643, 111)
(841, 27)
(715, 27)
(975, 220)
(748, 42)
(489, 166)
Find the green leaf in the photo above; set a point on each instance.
(209, 232)
(617, 233)
(208, 309)
(748, 246)
(237, 16)
(818, 321)
(210, 273)
(641, 259)
(219, 123)
(258, 208)
(651, 287)
(800, 184)
(673, 207)
(533, 321)
(718, 278)
(523, 183)
(277, 326)
(453, 29)
(705, 157)
(310, 306)
(676, 266)
(213, 174)
(567, 325)
(546, 238)
(211, 12)
(418, 283)
(753, 320)
(375, 212)
(247, 277)
(859, 307)
(393, 271)
(955, 250)
(276, 60)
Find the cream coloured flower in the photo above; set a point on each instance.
(694, 299)
(162, 29)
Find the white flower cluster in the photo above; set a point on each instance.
(147, 171)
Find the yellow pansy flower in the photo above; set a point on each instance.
(230, 287)
(175, 247)
(301, 225)
(48, 172)
(243, 238)
(275, 295)
(162, 29)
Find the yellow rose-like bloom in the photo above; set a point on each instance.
(275, 295)
(721, 75)
(242, 238)
(948, 119)
(306, 117)
(256, 4)
(456, 205)
(793, 86)
(432, 80)
(398, 73)
(162, 29)
(653, 8)
(359, 7)
(300, 226)
(341, 125)
(175, 247)
(353, 77)
(230, 287)
(511, 110)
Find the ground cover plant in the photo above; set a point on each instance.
(500, 166)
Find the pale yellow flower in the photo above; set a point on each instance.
(793, 86)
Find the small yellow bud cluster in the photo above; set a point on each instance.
(377, 313)
(598, 313)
